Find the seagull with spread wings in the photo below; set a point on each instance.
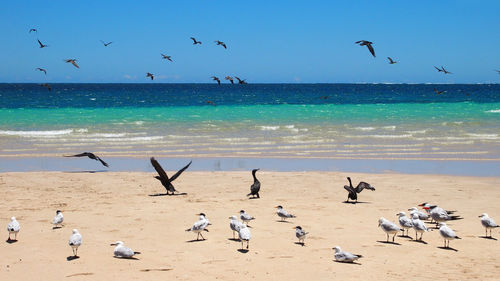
(164, 179)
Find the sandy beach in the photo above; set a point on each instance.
(111, 206)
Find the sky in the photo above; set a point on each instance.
(268, 41)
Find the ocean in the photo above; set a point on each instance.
(319, 121)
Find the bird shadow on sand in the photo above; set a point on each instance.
(234, 239)
(388, 242)
(251, 198)
(164, 194)
(355, 263)
(300, 243)
(87, 172)
(355, 202)
(488, 237)
(284, 221)
(126, 258)
(56, 227)
(405, 236)
(70, 258)
(243, 251)
(11, 241)
(194, 240)
(419, 241)
(448, 248)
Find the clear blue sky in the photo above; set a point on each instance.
(268, 41)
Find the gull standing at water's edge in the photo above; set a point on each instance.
(13, 227)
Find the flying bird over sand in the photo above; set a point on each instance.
(221, 43)
(165, 57)
(151, 75)
(216, 79)
(439, 92)
(368, 44)
(42, 70)
(163, 178)
(353, 192)
(72, 61)
(46, 86)
(33, 30)
(105, 44)
(89, 155)
(391, 61)
(194, 41)
(230, 79)
(241, 81)
(41, 44)
(255, 187)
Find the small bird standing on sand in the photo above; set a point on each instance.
(105, 44)
(234, 224)
(72, 61)
(42, 70)
(241, 81)
(163, 177)
(121, 251)
(216, 79)
(404, 222)
(245, 235)
(342, 256)
(150, 75)
(13, 227)
(41, 44)
(75, 241)
(58, 219)
(353, 192)
(255, 187)
(91, 156)
(300, 234)
(221, 43)
(230, 79)
(245, 217)
(419, 227)
(391, 61)
(165, 57)
(389, 228)
(368, 44)
(488, 223)
(283, 214)
(447, 234)
(200, 226)
(194, 41)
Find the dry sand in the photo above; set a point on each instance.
(106, 207)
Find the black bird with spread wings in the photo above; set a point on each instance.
(215, 78)
(105, 44)
(438, 69)
(445, 71)
(368, 44)
(439, 92)
(255, 187)
(150, 75)
(194, 41)
(221, 43)
(165, 57)
(72, 61)
(230, 79)
(46, 85)
(33, 30)
(391, 61)
(164, 179)
(89, 155)
(41, 44)
(353, 192)
(42, 70)
(241, 81)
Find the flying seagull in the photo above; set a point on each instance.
(33, 29)
(42, 70)
(368, 44)
(439, 92)
(89, 155)
(194, 41)
(150, 75)
(216, 79)
(221, 43)
(46, 85)
(41, 44)
(163, 178)
(255, 187)
(72, 61)
(391, 61)
(241, 81)
(165, 57)
(353, 192)
(105, 44)
(230, 79)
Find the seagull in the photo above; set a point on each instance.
(230, 79)
(91, 156)
(241, 81)
(283, 214)
(46, 86)
(58, 219)
(105, 44)
(342, 256)
(221, 43)
(235, 224)
(488, 223)
(439, 92)
(200, 226)
(419, 227)
(216, 79)
(353, 192)
(388, 227)
(13, 227)
(41, 44)
(255, 187)
(404, 222)
(439, 70)
(195, 42)
(421, 215)
(72, 61)
(33, 29)
(368, 44)
(121, 251)
(244, 234)
(245, 217)
(445, 71)
(447, 234)
(150, 75)
(163, 178)
(301, 234)
(439, 214)
(165, 57)
(75, 240)
(42, 70)
(391, 61)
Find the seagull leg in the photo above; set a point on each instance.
(387, 237)
(15, 236)
(202, 236)
(394, 236)
(248, 244)
(197, 236)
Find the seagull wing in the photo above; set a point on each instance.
(180, 172)
(159, 170)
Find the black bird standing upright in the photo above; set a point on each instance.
(89, 155)
(163, 178)
(368, 44)
(255, 187)
(353, 192)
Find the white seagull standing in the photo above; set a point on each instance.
(235, 225)
(419, 227)
(389, 228)
(404, 222)
(300, 234)
(123, 252)
(245, 217)
(58, 219)
(75, 240)
(13, 227)
(200, 226)
(447, 234)
(342, 256)
(244, 234)
(283, 214)
(421, 215)
(488, 223)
